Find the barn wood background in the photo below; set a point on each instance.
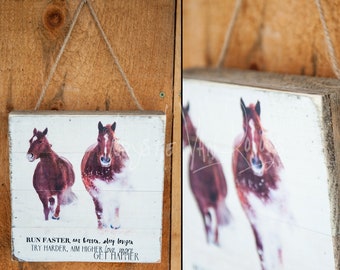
(272, 36)
(145, 35)
(277, 36)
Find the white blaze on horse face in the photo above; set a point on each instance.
(106, 139)
(105, 159)
(34, 138)
(30, 155)
(252, 127)
(256, 162)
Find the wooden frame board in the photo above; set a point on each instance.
(80, 232)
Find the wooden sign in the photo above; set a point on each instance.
(260, 171)
(87, 186)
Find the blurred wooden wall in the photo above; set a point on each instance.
(278, 36)
(145, 35)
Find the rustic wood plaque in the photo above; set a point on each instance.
(87, 186)
(260, 171)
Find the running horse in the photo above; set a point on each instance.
(104, 174)
(53, 175)
(207, 181)
(256, 168)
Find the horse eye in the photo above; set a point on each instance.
(247, 145)
(40, 141)
(98, 140)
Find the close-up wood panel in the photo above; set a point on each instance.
(176, 207)
(142, 35)
(277, 36)
(284, 37)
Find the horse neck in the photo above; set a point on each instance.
(119, 156)
(190, 132)
(194, 142)
(49, 156)
(200, 151)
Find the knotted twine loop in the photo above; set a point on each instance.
(328, 40)
(115, 59)
(230, 28)
(62, 49)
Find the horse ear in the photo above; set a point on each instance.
(244, 108)
(100, 126)
(186, 108)
(34, 131)
(45, 131)
(258, 108)
(113, 127)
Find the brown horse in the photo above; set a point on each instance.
(104, 174)
(53, 175)
(256, 168)
(207, 181)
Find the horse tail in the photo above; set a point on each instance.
(68, 196)
(223, 213)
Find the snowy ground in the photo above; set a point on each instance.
(293, 125)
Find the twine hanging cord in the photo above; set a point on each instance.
(230, 28)
(328, 41)
(62, 49)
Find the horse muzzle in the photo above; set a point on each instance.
(257, 166)
(30, 157)
(105, 161)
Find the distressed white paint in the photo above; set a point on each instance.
(293, 123)
(106, 139)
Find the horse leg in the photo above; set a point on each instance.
(99, 212)
(259, 246)
(115, 224)
(207, 219)
(210, 224)
(52, 201)
(57, 210)
(216, 241)
(44, 202)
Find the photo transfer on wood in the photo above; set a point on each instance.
(260, 171)
(87, 186)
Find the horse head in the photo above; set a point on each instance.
(105, 139)
(38, 145)
(188, 129)
(253, 146)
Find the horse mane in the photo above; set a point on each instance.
(119, 155)
(269, 146)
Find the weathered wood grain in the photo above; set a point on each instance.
(176, 224)
(142, 34)
(278, 36)
(335, 185)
